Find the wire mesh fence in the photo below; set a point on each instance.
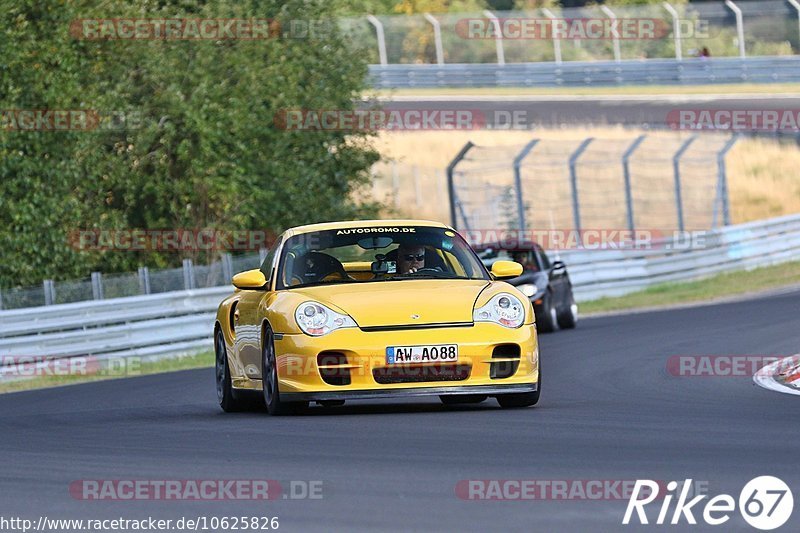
(768, 27)
(660, 182)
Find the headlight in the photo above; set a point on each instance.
(504, 309)
(315, 319)
(529, 289)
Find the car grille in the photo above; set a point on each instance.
(420, 374)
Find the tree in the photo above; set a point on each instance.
(205, 150)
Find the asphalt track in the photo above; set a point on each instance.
(647, 111)
(609, 411)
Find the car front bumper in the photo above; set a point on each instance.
(492, 360)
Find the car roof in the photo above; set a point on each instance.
(363, 224)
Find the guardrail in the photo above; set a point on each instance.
(181, 321)
(589, 73)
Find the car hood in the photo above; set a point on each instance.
(395, 303)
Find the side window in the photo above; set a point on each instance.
(544, 261)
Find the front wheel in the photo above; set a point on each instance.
(546, 316)
(229, 400)
(568, 318)
(269, 381)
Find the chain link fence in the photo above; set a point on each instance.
(653, 183)
(767, 27)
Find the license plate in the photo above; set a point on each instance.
(427, 353)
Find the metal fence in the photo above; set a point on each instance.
(101, 286)
(660, 184)
(726, 29)
(590, 73)
(178, 322)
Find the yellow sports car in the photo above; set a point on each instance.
(375, 309)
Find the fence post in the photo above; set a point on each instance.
(615, 37)
(188, 274)
(676, 30)
(627, 175)
(395, 184)
(498, 37)
(227, 268)
(722, 183)
(144, 280)
(556, 40)
(739, 25)
(437, 37)
(518, 180)
(417, 191)
(49, 292)
(381, 38)
(573, 178)
(676, 169)
(451, 190)
(97, 286)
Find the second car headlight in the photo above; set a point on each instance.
(315, 319)
(529, 289)
(504, 309)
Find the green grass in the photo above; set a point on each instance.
(719, 286)
(734, 88)
(133, 369)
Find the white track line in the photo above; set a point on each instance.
(774, 376)
(584, 98)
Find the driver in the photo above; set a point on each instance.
(410, 258)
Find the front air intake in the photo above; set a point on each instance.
(508, 361)
(332, 368)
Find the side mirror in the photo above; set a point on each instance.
(506, 269)
(249, 279)
(558, 265)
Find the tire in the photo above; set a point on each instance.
(229, 400)
(522, 399)
(568, 318)
(460, 399)
(547, 318)
(269, 381)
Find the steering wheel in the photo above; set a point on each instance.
(423, 270)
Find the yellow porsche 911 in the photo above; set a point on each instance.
(375, 309)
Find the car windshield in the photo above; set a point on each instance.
(376, 254)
